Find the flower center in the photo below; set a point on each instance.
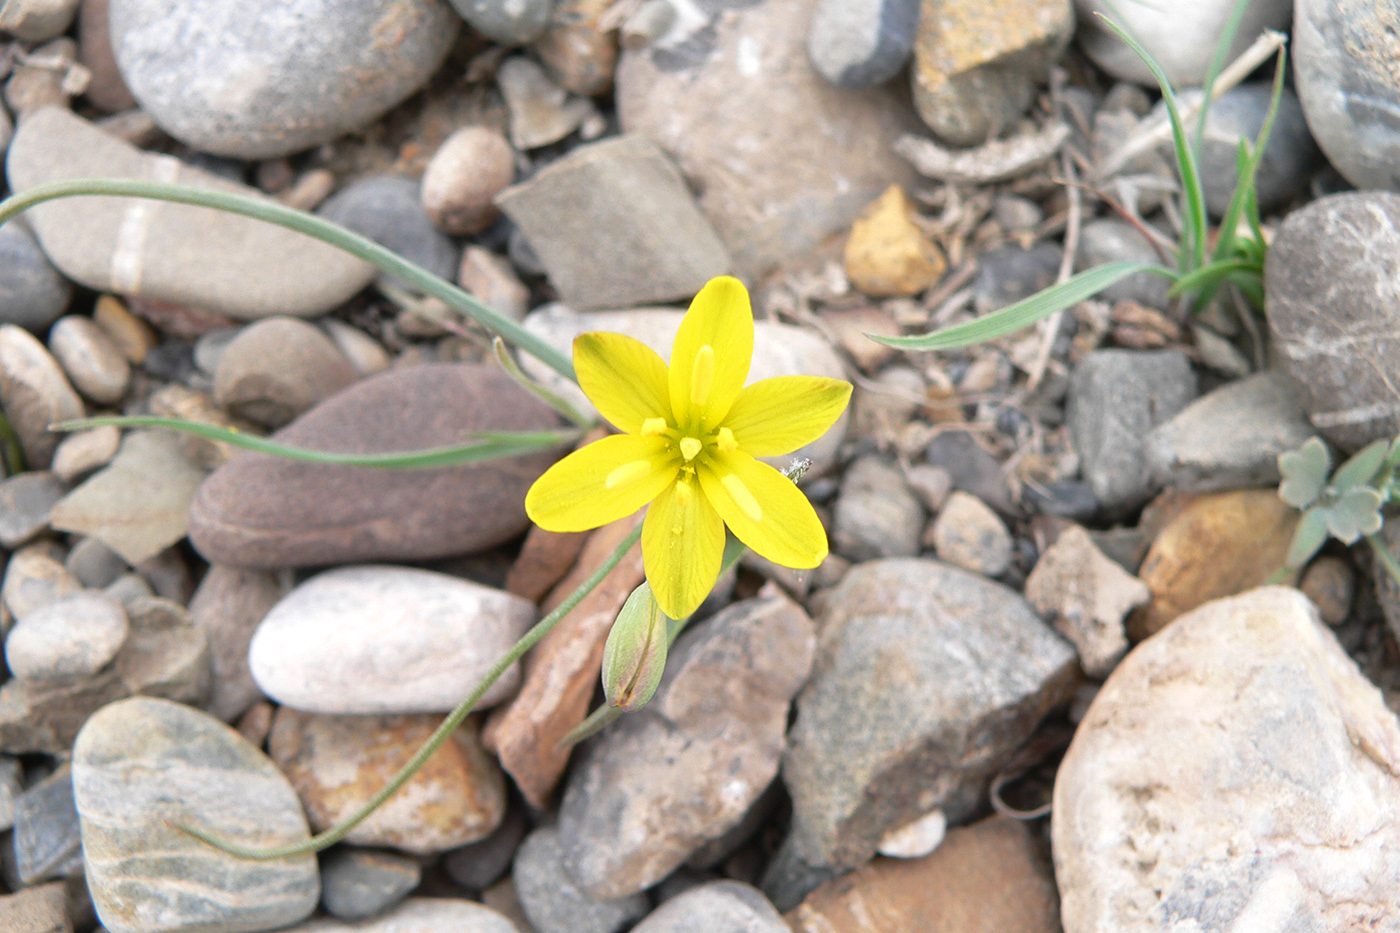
(690, 447)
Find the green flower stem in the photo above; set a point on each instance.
(449, 725)
(11, 451)
(270, 211)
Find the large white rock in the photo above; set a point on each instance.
(420, 915)
(1182, 35)
(380, 639)
(1235, 773)
(778, 350)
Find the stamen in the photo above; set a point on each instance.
(702, 376)
(742, 497)
(651, 427)
(689, 448)
(725, 441)
(627, 473)
(683, 492)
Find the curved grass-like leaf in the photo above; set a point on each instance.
(1023, 313)
(311, 225)
(1247, 166)
(489, 445)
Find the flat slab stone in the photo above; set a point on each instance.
(141, 763)
(263, 511)
(1236, 772)
(178, 253)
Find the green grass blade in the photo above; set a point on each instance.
(1217, 64)
(1023, 313)
(557, 402)
(1209, 275)
(311, 225)
(1197, 223)
(1247, 166)
(488, 445)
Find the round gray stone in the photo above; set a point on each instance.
(389, 210)
(509, 22)
(730, 906)
(864, 43)
(262, 79)
(74, 636)
(32, 293)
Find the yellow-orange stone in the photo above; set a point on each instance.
(887, 254)
(1219, 545)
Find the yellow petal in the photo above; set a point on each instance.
(682, 543)
(607, 480)
(704, 382)
(624, 379)
(777, 416)
(764, 509)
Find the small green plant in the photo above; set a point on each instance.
(1347, 504)
(1202, 270)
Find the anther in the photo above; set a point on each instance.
(651, 427)
(725, 441)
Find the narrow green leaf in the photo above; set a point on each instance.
(533, 386)
(1023, 313)
(1386, 558)
(1197, 223)
(1309, 536)
(1361, 466)
(1209, 274)
(1247, 165)
(489, 445)
(1217, 64)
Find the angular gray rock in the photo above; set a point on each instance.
(47, 842)
(702, 751)
(142, 763)
(731, 906)
(259, 80)
(1230, 438)
(1343, 62)
(1115, 398)
(1332, 299)
(1236, 772)
(25, 503)
(744, 137)
(926, 678)
(615, 225)
(32, 293)
(322, 648)
(968, 534)
(136, 505)
(552, 900)
(176, 253)
(227, 607)
(265, 511)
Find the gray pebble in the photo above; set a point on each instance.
(35, 394)
(862, 43)
(1290, 158)
(728, 906)
(552, 900)
(255, 80)
(468, 170)
(969, 535)
(1116, 397)
(93, 362)
(876, 514)
(359, 883)
(32, 292)
(478, 865)
(37, 20)
(11, 786)
(74, 636)
(81, 452)
(507, 22)
(389, 210)
(25, 503)
(34, 577)
(277, 369)
(1009, 273)
(94, 564)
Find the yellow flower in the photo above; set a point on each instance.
(691, 433)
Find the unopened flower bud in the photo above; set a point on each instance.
(635, 654)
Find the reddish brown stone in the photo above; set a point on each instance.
(561, 672)
(544, 560)
(985, 878)
(264, 511)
